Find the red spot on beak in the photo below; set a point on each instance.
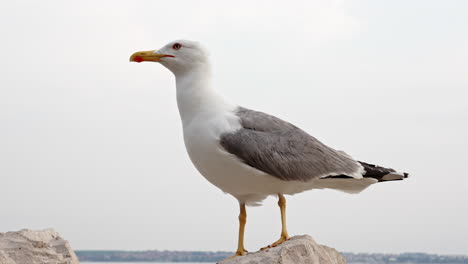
(138, 59)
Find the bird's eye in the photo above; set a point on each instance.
(176, 46)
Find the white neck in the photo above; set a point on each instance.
(195, 95)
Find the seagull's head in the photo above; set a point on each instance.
(178, 56)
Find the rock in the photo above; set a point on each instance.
(35, 247)
(297, 250)
(4, 259)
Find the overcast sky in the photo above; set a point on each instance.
(91, 144)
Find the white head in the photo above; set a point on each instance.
(180, 56)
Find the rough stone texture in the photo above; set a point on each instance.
(35, 247)
(297, 250)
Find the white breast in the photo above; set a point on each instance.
(201, 137)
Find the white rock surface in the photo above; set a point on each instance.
(35, 247)
(297, 250)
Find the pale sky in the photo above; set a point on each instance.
(91, 144)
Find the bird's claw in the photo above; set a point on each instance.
(238, 253)
(278, 242)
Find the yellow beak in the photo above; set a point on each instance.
(150, 55)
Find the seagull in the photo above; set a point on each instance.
(250, 154)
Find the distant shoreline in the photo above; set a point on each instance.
(214, 256)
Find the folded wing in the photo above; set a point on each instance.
(284, 151)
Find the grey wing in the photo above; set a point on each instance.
(285, 151)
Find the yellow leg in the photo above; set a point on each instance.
(240, 244)
(284, 231)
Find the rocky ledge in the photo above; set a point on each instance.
(47, 247)
(35, 247)
(297, 250)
